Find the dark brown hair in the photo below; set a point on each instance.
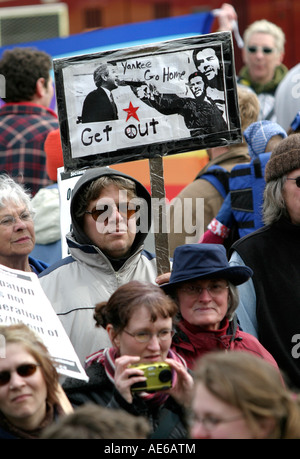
(22, 67)
(119, 309)
(92, 191)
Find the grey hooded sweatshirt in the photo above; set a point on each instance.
(76, 283)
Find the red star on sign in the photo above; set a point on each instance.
(131, 111)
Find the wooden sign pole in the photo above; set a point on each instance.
(159, 213)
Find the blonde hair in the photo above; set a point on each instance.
(248, 105)
(253, 386)
(264, 26)
(23, 335)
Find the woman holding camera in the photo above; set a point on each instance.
(139, 320)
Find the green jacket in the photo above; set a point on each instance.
(270, 87)
(264, 92)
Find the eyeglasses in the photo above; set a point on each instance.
(210, 422)
(264, 49)
(145, 337)
(25, 370)
(297, 180)
(9, 220)
(195, 290)
(107, 209)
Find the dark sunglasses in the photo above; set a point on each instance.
(108, 209)
(265, 49)
(25, 370)
(297, 180)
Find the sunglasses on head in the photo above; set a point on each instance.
(297, 180)
(264, 49)
(24, 370)
(108, 210)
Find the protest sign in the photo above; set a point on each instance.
(148, 101)
(22, 299)
(66, 182)
(157, 100)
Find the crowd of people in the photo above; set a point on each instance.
(207, 350)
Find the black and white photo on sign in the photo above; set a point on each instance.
(126, 99)
(167, 95)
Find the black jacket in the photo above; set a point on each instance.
(273, 253)
(200, 116)
(98, 107)
(101, 391)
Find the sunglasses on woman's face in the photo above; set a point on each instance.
(24, 370)
(297, 180)
(108, 210)
(264, 49)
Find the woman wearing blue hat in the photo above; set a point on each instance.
(204, 286)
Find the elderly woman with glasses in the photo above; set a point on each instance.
(17, 228)
(205, 289)
(139, 320)
(30, 396)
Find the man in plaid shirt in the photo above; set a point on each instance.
(25, 118)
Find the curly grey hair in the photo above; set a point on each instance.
(11, 191)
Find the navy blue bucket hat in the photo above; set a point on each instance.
(203, 261)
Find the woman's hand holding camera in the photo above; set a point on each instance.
(182, 391)
(125, 376)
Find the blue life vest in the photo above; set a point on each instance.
(218, 177)
(242, 190)
(247, 184)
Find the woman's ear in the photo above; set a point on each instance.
(113, 336)
(266, 428)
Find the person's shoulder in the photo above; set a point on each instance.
(6, 435)
(251, 343)
(38, 266)
(146, 266)
(254, 346)
(196, 189)
(254, 236)
(56, 266)
(148, 255)
(251, 238)
(94, 93)
(96, 375)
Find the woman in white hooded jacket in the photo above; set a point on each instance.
(96, 266)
